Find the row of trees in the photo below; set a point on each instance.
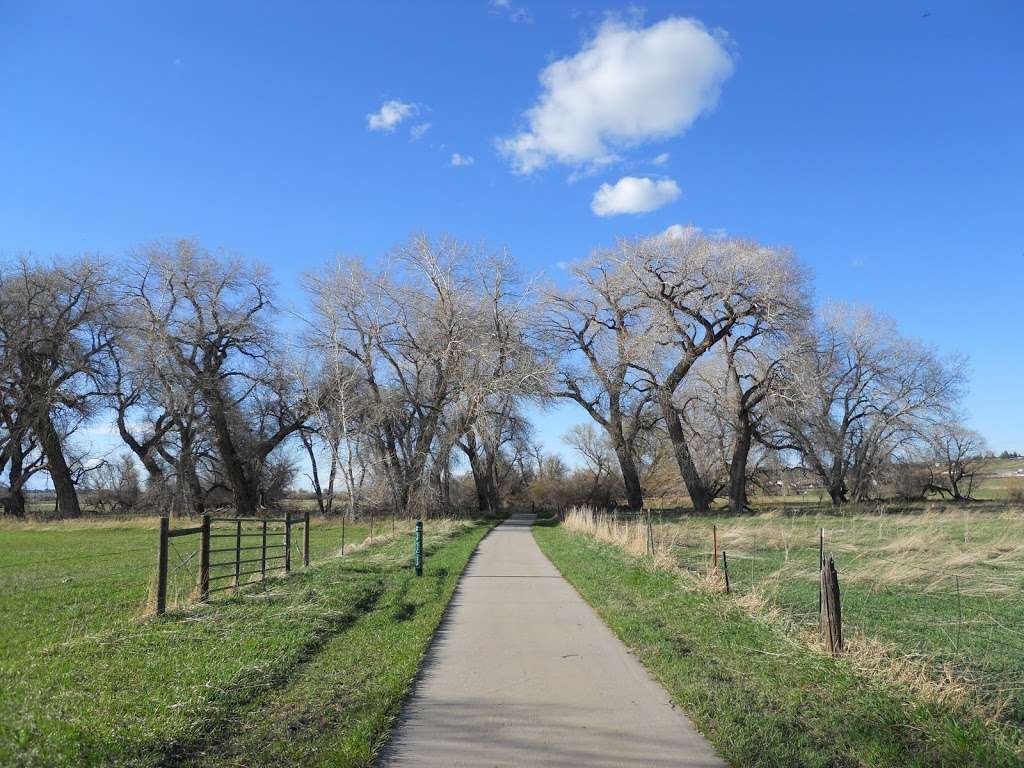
(401, 380)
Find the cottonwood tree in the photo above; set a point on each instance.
(207, 322)
(436, 335)
(699, 292)
(859, 395)
(57, 321)
(958, 453)
(594, 330)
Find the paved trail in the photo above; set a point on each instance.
(524, 673)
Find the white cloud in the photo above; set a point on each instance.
(660, 159)
(633, 195)
(417, 131)
(391, 113)
(515, 14)
(680, 232)
(458, 160)
(627, 85)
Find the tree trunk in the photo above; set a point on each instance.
(630, 476)
(700, 495)
(837, 492)
(738, 467)
(14, 504)
(60, 473)
(244, 489)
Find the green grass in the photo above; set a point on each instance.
(943, 588)
(319, 660)
(762, 698)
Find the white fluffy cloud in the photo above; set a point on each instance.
(458, 159)
(627, 85)
(390, 114)
(633, 195)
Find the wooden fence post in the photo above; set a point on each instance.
(725, 570)
(204, 560)
(305, 539)
(831, 624)
(287, 542)
(714, 548)
(161, 578)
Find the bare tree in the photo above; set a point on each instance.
(958, 453)
(56, 325)
(700, 292)
(861, 393)
(206, 321)
(594, 331)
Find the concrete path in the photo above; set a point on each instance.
(523, 673)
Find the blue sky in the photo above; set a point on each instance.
(882, 141)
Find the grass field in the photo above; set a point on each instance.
(946, 590)
(88, 680)
(762, 697)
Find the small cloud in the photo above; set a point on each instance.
(461, 160)
(633, 195)
(391, 113)
(562, 265)
(177, 63)
(660, 159)
(417, 131)
(680, 232)
(515, 14)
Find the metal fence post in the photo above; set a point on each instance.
(238, 552)
(287, 542)
(161, 579)
(418, 552)
(204, 560)
(305, 538)
(263, 552)
(725, 570)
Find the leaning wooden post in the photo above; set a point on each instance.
(305, 539)
(725, 570)
(821, 563)
(831, 624)
(204, 560)
(287, 542)
(161, 577)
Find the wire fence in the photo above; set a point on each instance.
(960, 625)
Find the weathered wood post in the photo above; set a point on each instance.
(204, 560)
(305, 538)
(831, 624)
(161, 577)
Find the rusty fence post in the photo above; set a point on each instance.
(161, 578)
